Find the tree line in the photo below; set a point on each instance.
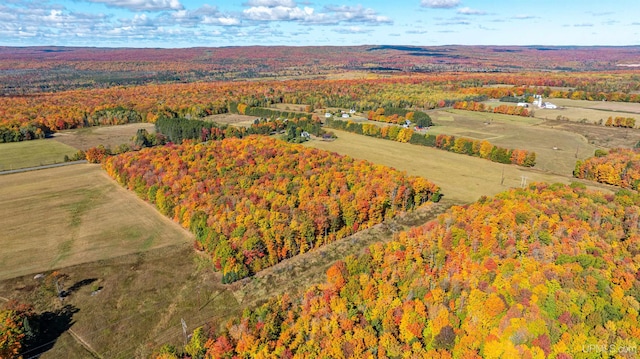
(618, 167)
(476, 148)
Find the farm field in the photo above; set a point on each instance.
(108, 136)
(232, 119)
(598, 105)
(15, 155)
(461, 178)
(556, 151)
(590, 112)
(275, 234)
(600, 136)
(75, 214)
(592, 116)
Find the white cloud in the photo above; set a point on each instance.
(270, 3)
(470, 11)
(524, 17)
(352, 30)
(440, 4)
(142, 5)
(330, 15)
(208, 15)
(355, 14)
(264, 13)
(226, 21)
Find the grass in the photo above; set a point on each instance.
(63, 216)
(462, 178)
(33, 153)
(582, 111)
(587, 115)
(109, 136)
(232, 119)
(556, 150)
(598, 105)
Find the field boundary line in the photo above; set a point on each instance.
(84, 344)
(43, 167)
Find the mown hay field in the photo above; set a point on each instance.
(63, 216)
(16, 155)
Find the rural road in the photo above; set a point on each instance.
(26, 169)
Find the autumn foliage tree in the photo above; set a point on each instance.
(618, 167)
(14, 328)
(255, 201)
(462, 145)
(541, 272)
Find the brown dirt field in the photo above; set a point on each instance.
(232, 119)
(63, 216)
(111, 136)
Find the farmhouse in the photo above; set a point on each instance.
(540, 104)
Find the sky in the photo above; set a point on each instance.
(214, 23)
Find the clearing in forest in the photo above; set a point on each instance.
(63, 216)
(15, 155)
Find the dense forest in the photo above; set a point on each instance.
(618, 167)
(255, 201)
(26, 70)
(35, 115)
(548, 271)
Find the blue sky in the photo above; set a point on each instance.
(184, 23)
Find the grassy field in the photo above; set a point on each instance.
(64, 216)
(232, 119)
(590, 112)
(111, 136)
(600, 136)
(462, 178)
(557, 151)
(599, 105)
(586, 115)
(34, 153)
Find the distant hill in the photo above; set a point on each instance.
(36, 69)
